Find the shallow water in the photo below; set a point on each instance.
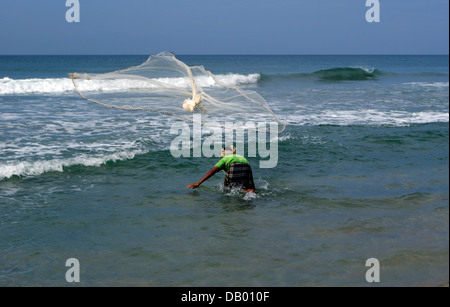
(362, 173)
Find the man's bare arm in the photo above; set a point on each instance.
(208, 175)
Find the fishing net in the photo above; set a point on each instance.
(163, 84)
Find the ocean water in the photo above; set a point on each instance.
(362, 173)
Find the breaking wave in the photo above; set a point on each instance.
(63, 85)
(26, 168)
(333, 74)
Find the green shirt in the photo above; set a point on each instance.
(225, 162)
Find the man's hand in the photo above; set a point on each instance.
(193, 186)
(214, 170)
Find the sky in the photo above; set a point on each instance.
(224, 27)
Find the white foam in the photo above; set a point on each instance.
(250, 196)
(285, 137)
(366, 69)
(428, 84)
(237, 79)
(25, 168)
(9, 116)
(61, 85)
(367, 117)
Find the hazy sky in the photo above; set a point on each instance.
(224, 27)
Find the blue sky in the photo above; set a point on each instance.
(224, 27)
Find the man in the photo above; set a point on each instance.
(239, 172)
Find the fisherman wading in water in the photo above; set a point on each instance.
(239, 172)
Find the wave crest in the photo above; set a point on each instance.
(333, 74)
(10, 86)
(367, 118)
(26, 168)
(347, 74)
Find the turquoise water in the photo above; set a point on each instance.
(362, 173)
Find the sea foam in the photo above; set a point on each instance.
(368, 118)
(10, 86)
(26, 168)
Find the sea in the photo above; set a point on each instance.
(362, 173)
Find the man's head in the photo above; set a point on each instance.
(229, 150)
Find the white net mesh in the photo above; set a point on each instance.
(164, 84)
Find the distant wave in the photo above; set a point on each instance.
(428, 84)
(61, 85)
(347, 74)
(333, 74)
(10, 86)
(26, 168)
(367, 118)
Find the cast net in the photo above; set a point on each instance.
(163, 84)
